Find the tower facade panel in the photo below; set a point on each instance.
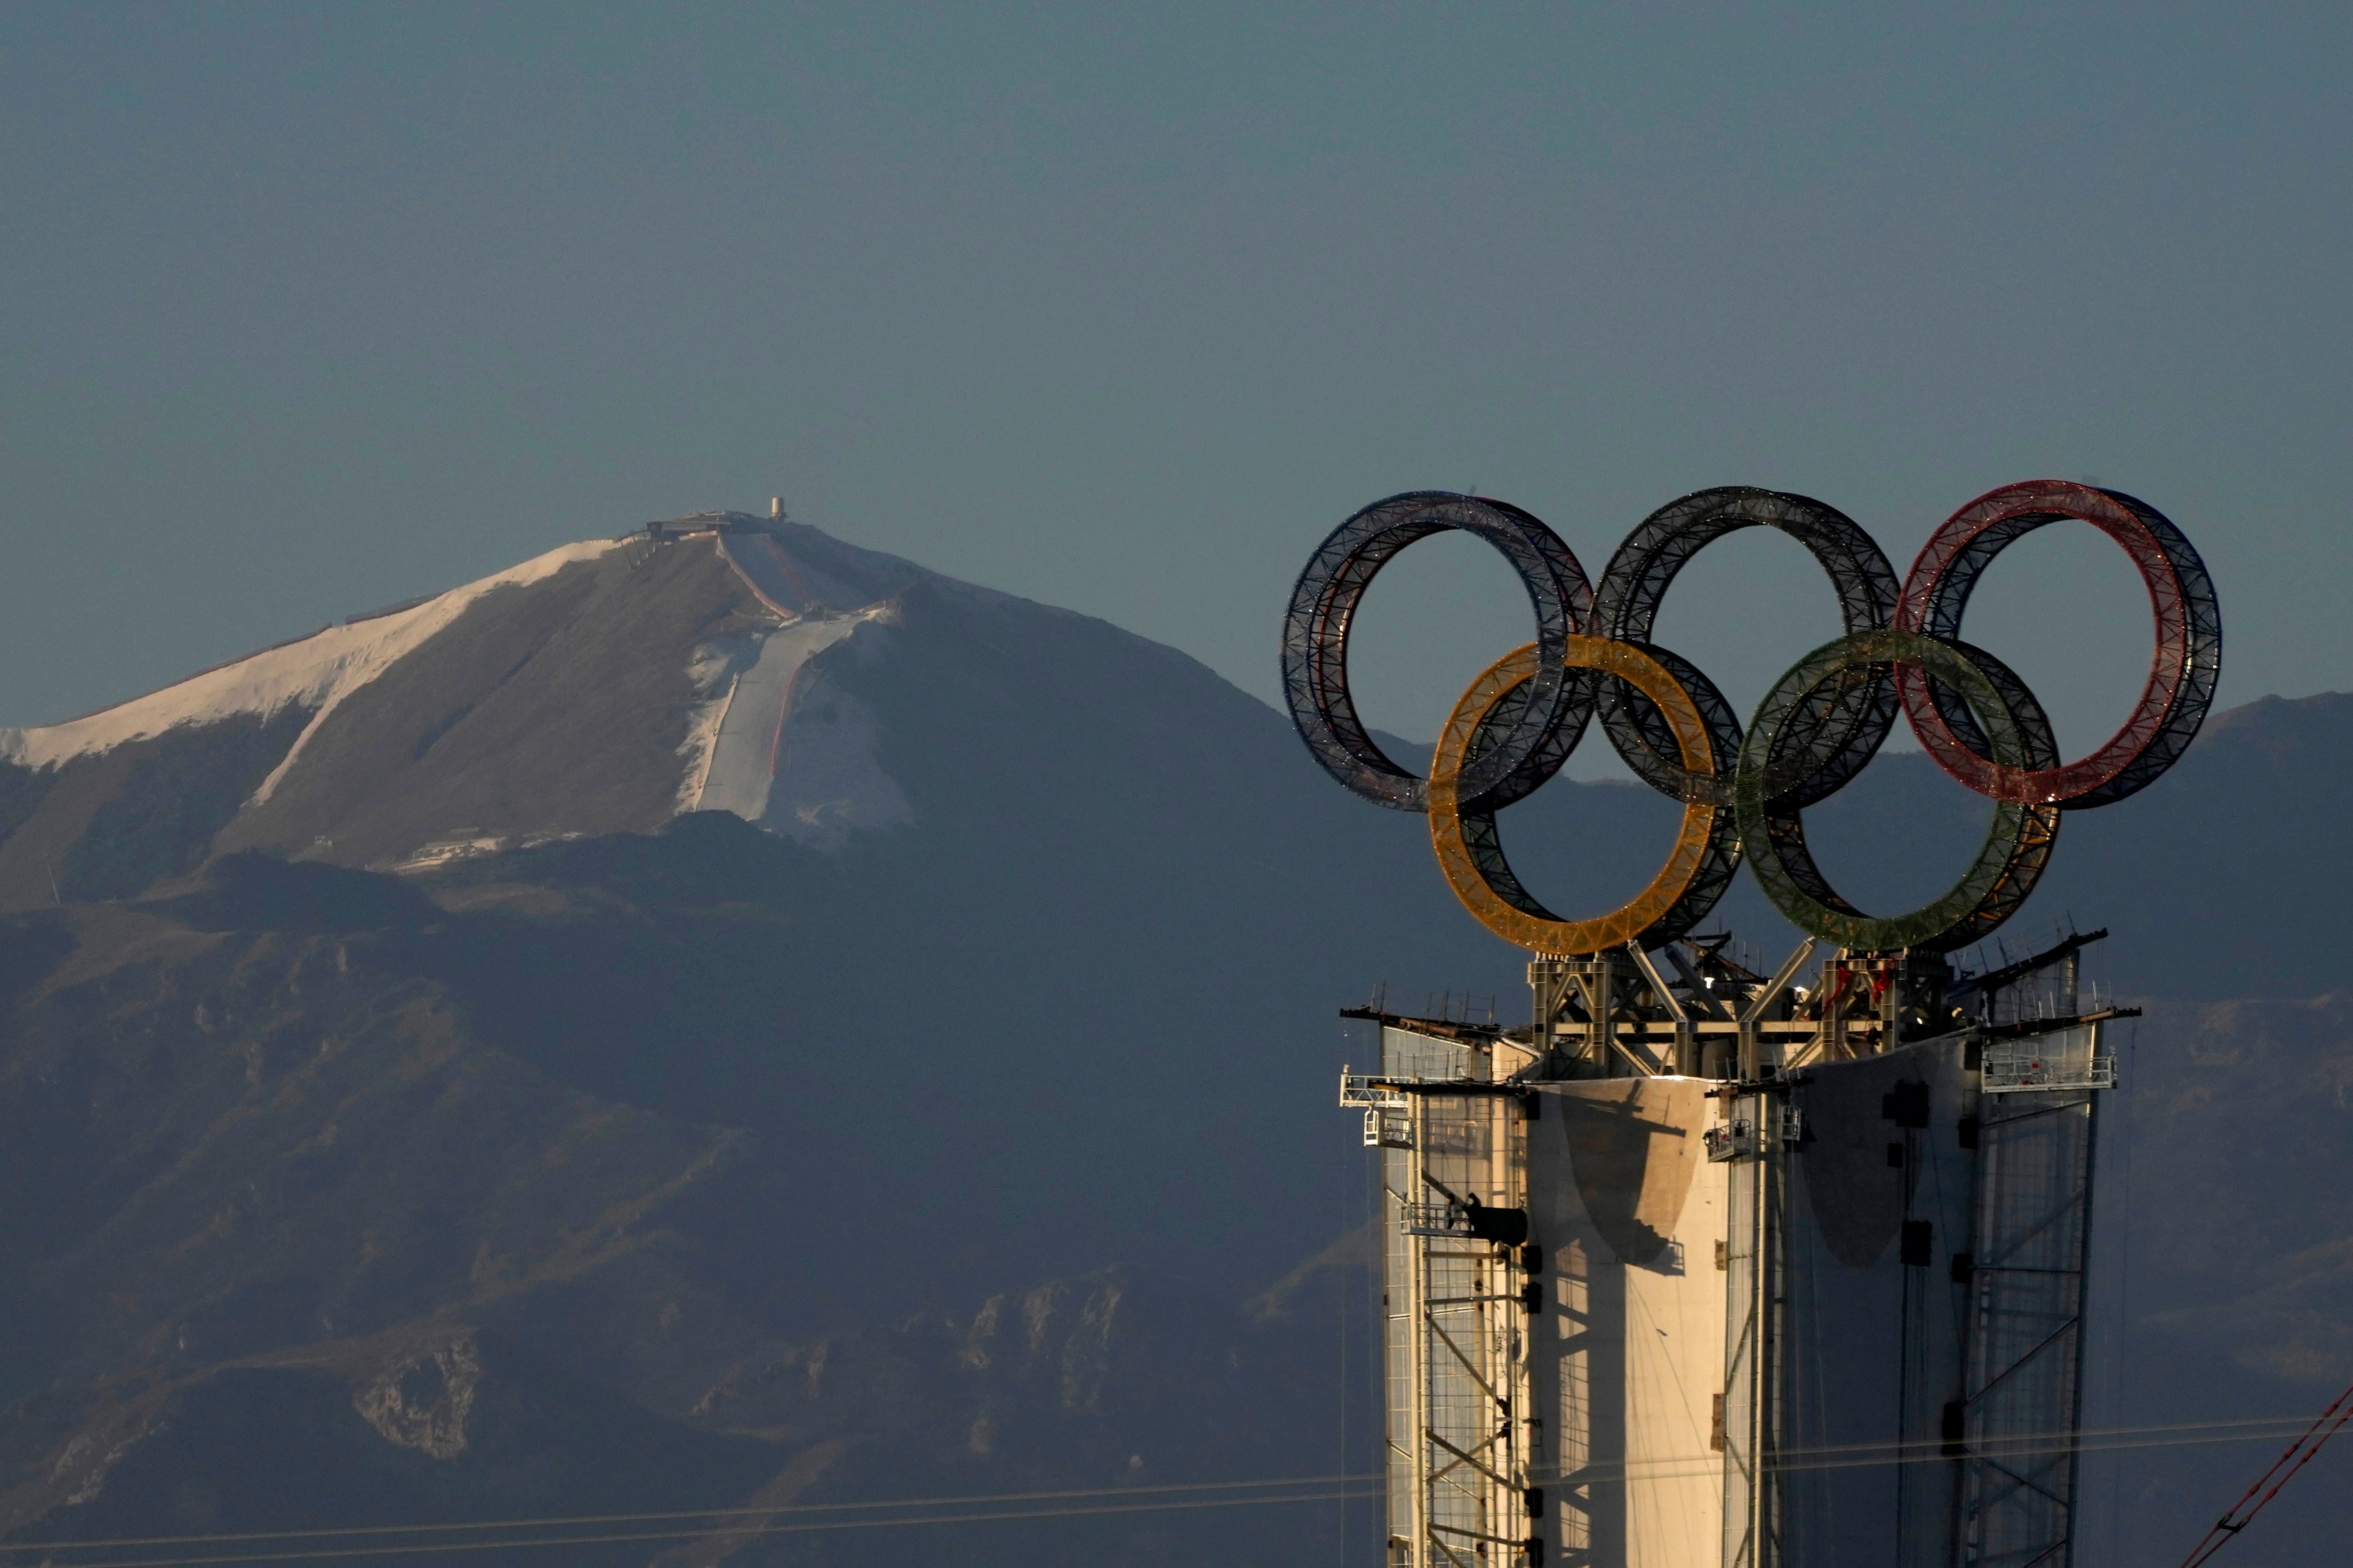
(1626, 1359)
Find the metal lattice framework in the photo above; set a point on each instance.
(2017, 842)
(2183, 669)
(2018, 1500)
(1822, 722)
(1547, 722)
(1698, 868)
(1552, 1331)
(1851, 719)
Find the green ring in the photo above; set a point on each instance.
(2017, 843)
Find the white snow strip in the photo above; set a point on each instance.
(715, 669)
(761, 562)
(787, 585)
(742, 760)
(317, 672)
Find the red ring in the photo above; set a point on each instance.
(1922, 609)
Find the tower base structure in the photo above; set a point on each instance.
(1707, 1269)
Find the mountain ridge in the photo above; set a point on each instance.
(434, 712)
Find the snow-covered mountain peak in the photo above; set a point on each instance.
(607, 686)
(315, 671)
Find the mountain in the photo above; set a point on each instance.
(2222, 1261)
(399, 994)
(722, 1017)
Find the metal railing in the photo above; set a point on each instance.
(1360, 1091)
(2012, 1071)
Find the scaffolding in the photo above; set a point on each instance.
(1471, 1448)
(1457, 1295)
(2025, 1274)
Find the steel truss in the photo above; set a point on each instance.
(1460, 1431)
(1551, 713)
(1469, 1454)
(1843, 732)
(2017, 1499)
(2184, 668)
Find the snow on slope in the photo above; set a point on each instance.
(732, 749)
(768, 737)
(756, 682)
(793, 580)
(317, 672)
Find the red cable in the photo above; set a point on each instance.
(2227, 1527)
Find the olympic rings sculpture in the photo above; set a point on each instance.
(1744, 792)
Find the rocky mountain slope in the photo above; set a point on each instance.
(529, 1069)
(723, 1017)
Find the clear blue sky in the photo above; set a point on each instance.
(308, 309)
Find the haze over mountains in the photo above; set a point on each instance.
(723, 1017)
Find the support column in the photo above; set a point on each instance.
(1548, 989)
(1752, 1371)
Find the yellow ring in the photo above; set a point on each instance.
(1621, 925)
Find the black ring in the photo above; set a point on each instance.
(1324, 602)
(1841, 726)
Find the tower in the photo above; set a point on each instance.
(1639, 1316)
(1706, 1265)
